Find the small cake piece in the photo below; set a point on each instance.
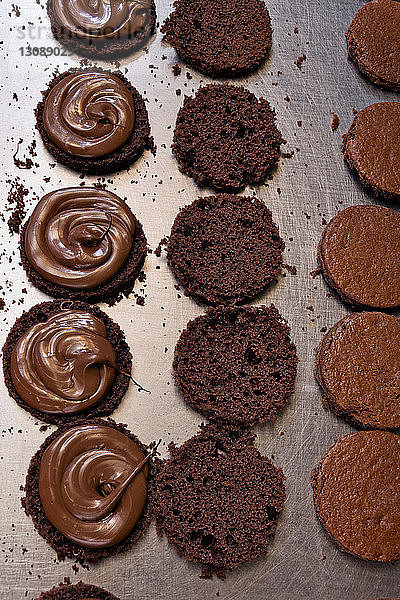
(220, 38)
(102, 29)
(372, 148)
(359, 255)
(218, 499)
(236, 365)
(358, 369)
(357, 494)
(66, 359)
(83, 243)
(226, 138)
(225, 249)
(93, 121)
(89, 490)
(373, 42)
(79, 591)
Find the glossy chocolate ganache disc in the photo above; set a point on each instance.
(83, 243)
(93, 121)
(102, 28)
(64, 360)
(88, 490)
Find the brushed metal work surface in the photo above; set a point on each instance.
(310, 187)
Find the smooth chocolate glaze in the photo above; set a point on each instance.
(89, 114)
(93, 485)
(102, 19)
(79, 237)
(65, 365)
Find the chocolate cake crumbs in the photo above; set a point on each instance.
(16, 202)
(300, 60)
(217, 499)
(335, 121)
(176, 69)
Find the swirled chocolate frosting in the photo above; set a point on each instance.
(102, 19)
(89, 114)
(93, 485)
(65, 365)
(79, 238)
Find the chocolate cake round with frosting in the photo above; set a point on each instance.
(89, 490)
(359, 256)
(79, 591)
(372, 148)
(357, 494)
(373, 42)
(93, 121)
(103, 28)
(83, 243)
(64, 360)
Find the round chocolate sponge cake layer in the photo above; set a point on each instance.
(225, 249)
(41, 313)
(218, 499)
(358, 369)
(109, 292)
(357, 494)
(359, 255)
(375, 132)
(98, 48)
(373, 42)
(226, 138)
(220, 38)
(138, 141)
(63, 546)
(79, 591)
(236, 365)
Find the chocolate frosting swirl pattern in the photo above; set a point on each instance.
(93, 485)
(79, 238)
(65, 365)
(102, 19)
(89, 114)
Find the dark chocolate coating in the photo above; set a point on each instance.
(358, 369)
(373, 42)
(357, 494)
(359, 254)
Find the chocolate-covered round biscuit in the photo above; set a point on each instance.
(63, 360)
(359, 255)
(236, 365)
(373, 42)
(78, 591)
(358, 368)
(225, 249)
(372, 148)
(83, 243)
(89, 490)
(220, 38)
(93, 121)
(357, 494)
(218, 499)
(102, 29)
(226, 138)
